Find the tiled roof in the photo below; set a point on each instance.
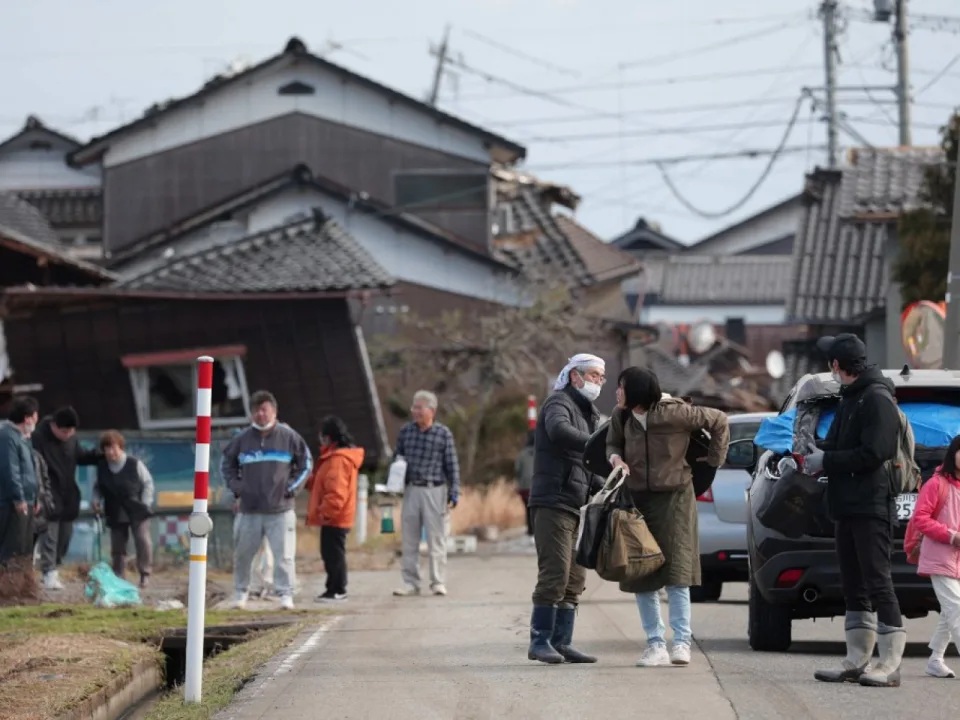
(646, 237)
(840, 252)
(538, 243)
(885, 181)
(738, 279)
(26, 220)
(603, 261)
(69, 207)
(311, 256)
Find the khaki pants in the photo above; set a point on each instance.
(559, 578)
(424, 507)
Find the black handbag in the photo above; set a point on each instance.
(593, 522)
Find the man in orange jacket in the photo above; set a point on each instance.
(333, 502)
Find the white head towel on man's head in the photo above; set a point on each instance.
(580, 360)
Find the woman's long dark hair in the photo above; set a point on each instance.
(950, 459)
(336, 429)
(641, 389)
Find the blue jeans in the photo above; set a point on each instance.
(649, 606)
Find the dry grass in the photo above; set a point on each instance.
(18, 582)
(224, 675)
(496, 504)
(43, 676)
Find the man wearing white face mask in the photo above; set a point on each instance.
(561, 485)
(265, 466)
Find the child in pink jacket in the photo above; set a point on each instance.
(937, 517)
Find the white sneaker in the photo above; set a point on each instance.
(51, 581)
(680, 654)
(240, 601)
(654, 656)
(439, 589)
(286, 602)
(407, 591)
(937, 668)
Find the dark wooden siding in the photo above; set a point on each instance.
(303, 351)
(146, 195)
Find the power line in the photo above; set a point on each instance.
(748, 153)
(522, 55)
(938, 77)
(670, 57)
(712, 214)
(648, 82)
(693, 129)
(675, 110)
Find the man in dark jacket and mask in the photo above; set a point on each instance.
(857, 459)
(55, 439)
(561, 485)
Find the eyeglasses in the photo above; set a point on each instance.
(595, 376)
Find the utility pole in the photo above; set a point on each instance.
(900, 33)
(441, 54)
(828, 10)
(951, 334)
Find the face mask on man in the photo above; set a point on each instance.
(264, 428)
(591, 391)
(29, 427)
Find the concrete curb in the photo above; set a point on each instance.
(112, 701)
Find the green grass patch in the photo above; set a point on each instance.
(131, 624)
(224, 675)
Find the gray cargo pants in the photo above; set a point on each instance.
(280, 530)
(424, 507)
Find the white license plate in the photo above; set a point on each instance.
(905, 505)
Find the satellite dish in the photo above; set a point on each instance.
(776, 365)
(922, 334)
(701, 337)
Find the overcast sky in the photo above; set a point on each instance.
(587, 86)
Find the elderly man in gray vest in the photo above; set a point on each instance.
(561, 485)
(431, 489)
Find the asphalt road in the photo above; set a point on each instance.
(464, 656)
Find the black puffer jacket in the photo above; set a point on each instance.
(560, 481)
(862, 440)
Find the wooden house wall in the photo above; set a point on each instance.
(146, 195)
(303, 351)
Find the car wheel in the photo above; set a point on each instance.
(707, 591)
(769, 626)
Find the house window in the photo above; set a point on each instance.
(164, 387)
(296, 88)
(432, 190)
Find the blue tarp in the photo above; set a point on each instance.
(934, 425)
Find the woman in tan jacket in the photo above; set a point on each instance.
(648, 437)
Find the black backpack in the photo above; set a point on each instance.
(595, 457)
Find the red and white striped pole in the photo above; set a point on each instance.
(200, 526)
(532, 412)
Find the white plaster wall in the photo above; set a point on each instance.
(256, 100)
(26, 169)
(755, 232)
(718, 314)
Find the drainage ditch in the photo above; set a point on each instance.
(216, 639)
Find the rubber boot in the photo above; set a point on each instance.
(563, 636)
(541, 630)
(891, 641)
(861, 631)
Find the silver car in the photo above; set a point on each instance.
(722, 517)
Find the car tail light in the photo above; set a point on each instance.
(722, 556)
(707, 497)
(789, 578)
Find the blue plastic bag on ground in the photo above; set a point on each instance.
(934, 425)
(106, 590)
